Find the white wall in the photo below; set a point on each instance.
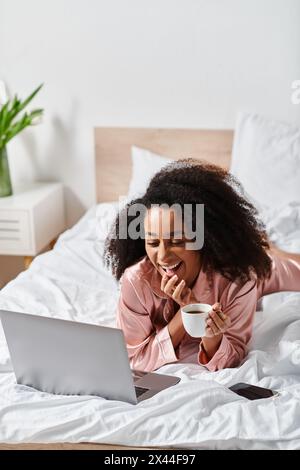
(189, 63)
(181, 63)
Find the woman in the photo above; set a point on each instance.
(163, 269)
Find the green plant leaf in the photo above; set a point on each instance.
(15, 129)
(36, 112)
(4, 117)
(30, 97)
(9, 128)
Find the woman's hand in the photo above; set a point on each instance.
(179, 292)
(217, 322)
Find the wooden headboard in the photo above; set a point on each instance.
(113, 146)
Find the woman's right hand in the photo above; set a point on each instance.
(179, 292)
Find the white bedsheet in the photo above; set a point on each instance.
(200, 412)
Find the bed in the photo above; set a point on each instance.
(71, 282)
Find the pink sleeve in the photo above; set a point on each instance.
(285, 276)
(240, 308)
(147, 348)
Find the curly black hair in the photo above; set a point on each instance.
(235, 240)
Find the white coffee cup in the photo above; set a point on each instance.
(194, 317)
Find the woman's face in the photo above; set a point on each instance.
(165, 245)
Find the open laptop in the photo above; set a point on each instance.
(72, 358)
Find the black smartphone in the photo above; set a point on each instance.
(252, 392)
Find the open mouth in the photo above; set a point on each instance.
(171, 269)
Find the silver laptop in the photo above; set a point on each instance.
(72, 358)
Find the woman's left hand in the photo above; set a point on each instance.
(217, 322)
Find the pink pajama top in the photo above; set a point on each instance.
(144, 312)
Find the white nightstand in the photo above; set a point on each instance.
(31, 219)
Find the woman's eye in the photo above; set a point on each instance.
(177, 242)
(172, 242)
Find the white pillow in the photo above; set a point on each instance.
(266, 159)
(145, 165)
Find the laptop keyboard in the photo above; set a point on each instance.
(140, 390)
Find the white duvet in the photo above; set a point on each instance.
(199, 412)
